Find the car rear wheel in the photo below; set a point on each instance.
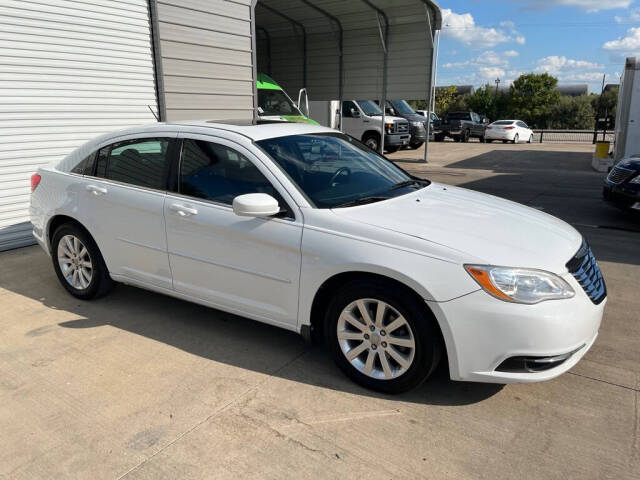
(381, 337)
(530, 139)
(464, 138)
(516, 139)
(78, 263)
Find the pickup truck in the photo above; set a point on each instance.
(460, 126)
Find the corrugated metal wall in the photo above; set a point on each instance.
(69, 71)
(206, 57)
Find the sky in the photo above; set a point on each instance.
(577, 41)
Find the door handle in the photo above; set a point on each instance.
(183, 210)
(96, 190)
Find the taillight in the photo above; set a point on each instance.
(488, 128)
(35, 181)
(509, 128)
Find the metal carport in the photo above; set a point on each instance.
(358, 49)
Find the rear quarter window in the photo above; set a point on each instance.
(85, 167)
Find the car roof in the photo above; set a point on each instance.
(512, 121)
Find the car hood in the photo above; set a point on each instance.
(480, 228)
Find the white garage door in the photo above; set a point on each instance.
(69, 71)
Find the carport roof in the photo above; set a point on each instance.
(352, 32)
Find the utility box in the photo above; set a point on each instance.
(628, 113)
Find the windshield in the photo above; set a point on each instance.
(334, 170)
(401, 106)
(369, 108)
(275, 102)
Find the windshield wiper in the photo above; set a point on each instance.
(362, 201)
(408, 183)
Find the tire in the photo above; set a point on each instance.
(392, 149)
(67, 246)
(464, 138)
(417, 327)
(372, 140)
(516, 139)
(530, 139)
(482, 139)
(439, 138)
(488, 140)
(504, 141)
(416, 145)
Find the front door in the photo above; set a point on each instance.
(246, 265)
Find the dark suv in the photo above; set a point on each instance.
(417, 122)
(622, 185)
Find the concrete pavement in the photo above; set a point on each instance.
(138, 385)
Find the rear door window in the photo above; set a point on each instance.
(141, 162)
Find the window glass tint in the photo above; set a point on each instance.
(217, 173)
(459, 116)
(369, 108)
(101, 162)
(141, 162)
(347, 108)
(503, 122)
(522, 124)
(334, 169)
(85, 167)
(402, 106)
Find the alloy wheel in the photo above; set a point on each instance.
(376, 339)
(75, 262)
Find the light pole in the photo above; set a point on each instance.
(497, 80)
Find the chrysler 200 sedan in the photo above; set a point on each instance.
(303, 227)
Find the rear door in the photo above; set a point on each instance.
(246, 265)
(122, 206)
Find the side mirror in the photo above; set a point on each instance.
(355, 113)
(255, 205)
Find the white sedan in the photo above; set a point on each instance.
(304, 228)
(513, 131)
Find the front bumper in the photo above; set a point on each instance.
(621, 196)
(418, 134)
(483, 334)
(396, 139)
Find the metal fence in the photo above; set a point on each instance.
(570, 136)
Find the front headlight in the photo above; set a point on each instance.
(417, 124)
(635, 180)
(520, 285)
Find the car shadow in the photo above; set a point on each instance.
(213, 334)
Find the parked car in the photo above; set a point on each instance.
(460, 126)
(305, 228)
(512, 131)
(362, 119)
(622, 185)
(275, 105)
(417, 122)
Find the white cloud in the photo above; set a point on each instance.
(627, 44)
(485, 59)
(632, 16)
(570, 70)
(463, 28)
(586, 5)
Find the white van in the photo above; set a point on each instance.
(362, 119)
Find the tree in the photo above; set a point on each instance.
(483, 101)
(445, 96)
(606, 104)
(572, 113)
(532, 97)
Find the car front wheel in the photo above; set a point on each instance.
(78, 263)
(381, 337)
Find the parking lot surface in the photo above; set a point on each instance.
(138, 385)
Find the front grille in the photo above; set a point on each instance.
(619, 175)
(402, 127)
(584, 268)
